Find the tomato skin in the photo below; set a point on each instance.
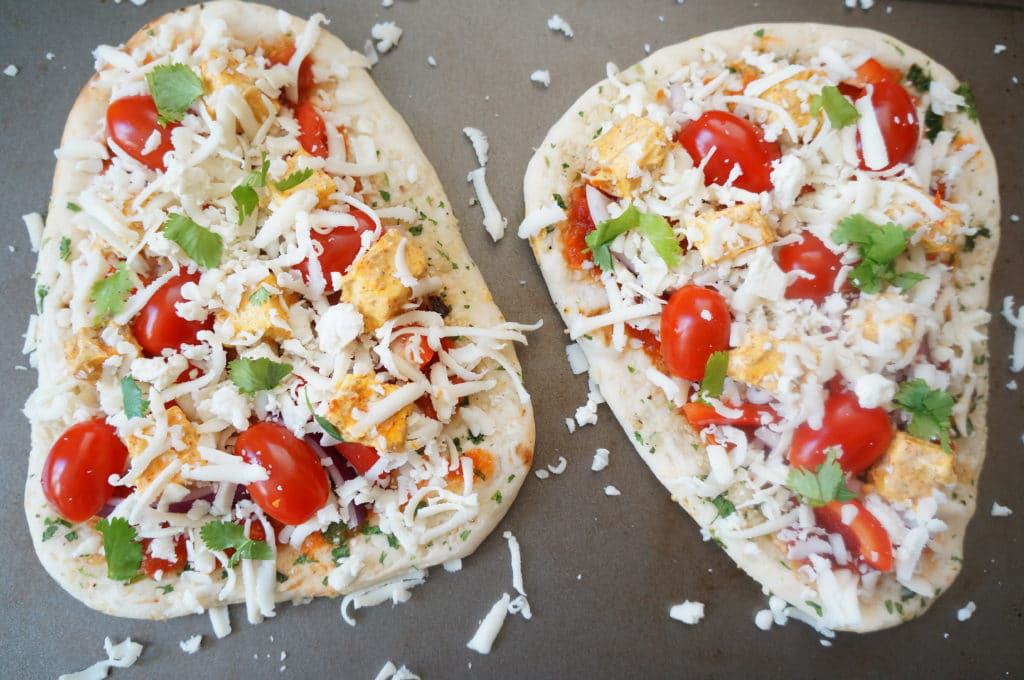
(312, 129)
(157, 326)
(574, 231)
(814, 257)
(872, 72)
(362, 458)
(701, 415)
(75, 474)
(131, 121)
(281, 53)
(865, 536)
(863, 433)
(898, 120)
(338, 248)
(736, 141)
(296, 486)
(151, 565)
(688, 339)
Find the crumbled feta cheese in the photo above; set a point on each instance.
(121, 655)
(431, 61)
(688, 612)
(611, 491)
(11, 70)
(387, 34)
(542, 77)
(1000, 510)
(557, 23)
(600, 460)
(998, 48)
(966, 612)
(191, 645)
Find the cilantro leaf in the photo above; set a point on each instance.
(826, 484)
(559, 201)
(219, 535)
(174, 87)
(123, 553)
(41, 293)
(965, 91)
(293, 180)
(759, 33)
(134, 405)
(252, 375)
(259, 297)
(199, 243)
(74, 207)
(109, 294)
(325, 425)
(714, 374)
(932, 124)
(971, 240)
(838, 108)
(723, 505)
(245, 195)
(654, 227)
(930, 411)
(919, 78)
(879, 245)
(386, 195)
(65, 248)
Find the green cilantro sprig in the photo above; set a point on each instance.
(968, 107)
(838, 108)
(654, 227)
(325, 425)
(110, 294)
(879, 245)
(714, 374)
(65, 248)
(221, 535)
(252, 375)
(134, 405)
(919, 78)
(826, 484)
(246, 197)
(930, 411)
(120, 548)
(259, 297)
(723, 505)
(174, 87)
(199, 243)
(293, 180)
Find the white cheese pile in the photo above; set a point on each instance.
(121, 655)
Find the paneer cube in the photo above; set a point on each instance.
(86, 353)
(757, 361)
(180, 432)
(786, 95)
(631, 147)
(911, 468)
(885, 323)
(319, 182)
(355, 395)
(943, 237)
(252, 95)
(372, 285)
(260, 314)
(726, 233)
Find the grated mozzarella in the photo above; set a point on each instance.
(494, 223)
(121, 655)
(688, 612)
(480, 146)
(490, 626)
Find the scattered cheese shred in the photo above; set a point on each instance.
(121, 655)
(191, 645)
(479, 141)
(688, 612)
(493, 221)
(487, 632)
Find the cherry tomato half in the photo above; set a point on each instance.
(872, 72)
(130, 123)
(897, 118)
(76, 470)
(574, 232)
(312, 130)
(281, 53)
(157, 326)
(296, 486)
(701, 415)
(863, 433)
(338, 248)
(694, 324)
(151, 565)
(362, 458)
(864, 536)
(736, 141)
(812, 256)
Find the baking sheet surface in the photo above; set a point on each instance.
(601, 571)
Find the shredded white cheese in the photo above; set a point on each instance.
(121, 655)
(490, 626)
(688, 612)
(493, 221)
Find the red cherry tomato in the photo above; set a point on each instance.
(151, 565)
(131, 121)
(701, 415)
(312, 130)
(694, 324)
(863, 433)
(281, 53)
(736, 142)
(575, 229)
(872, 72)
(362, 458)
(812, 256)
(897, 118)
(339, 248)
(76, 470)
(157, 326)
(864, 536)
(297, 484)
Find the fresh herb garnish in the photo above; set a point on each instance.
(65, 248)
(655, 227)
(123, 553)
(134, 405)
(714, 374)
(53, 525)
(879, 246)
(199, 243)
(259, 297)
(109, 294)
(497, 497)
(220, 535)
(74, 207)
(386, 195)
(932, 124)
(723, 505)
(965, 91)
(174, 87)
(245, 195)
(325, 425)
(970, 241)
(559, 201)
(41, 293)
(252, 375)
(826, 484)
(919, 78)
(416, 230)
(293, 180)
(838, 108)
(759, 33)
(930, 411)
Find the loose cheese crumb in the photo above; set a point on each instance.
(121, 655)
(966, 612)
(559, 467)
(600, 460)
(191, 645)
(1017, 321)
(688, 612)
(220, 621)
(493, 221)
(557, 23)
(542, 77)
(431, 61)
(1000, 510)
(389, 672)
(11, 70)
(578, 363)
(998, 48)
(387, 34)
(611, 491)
(490, 626)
